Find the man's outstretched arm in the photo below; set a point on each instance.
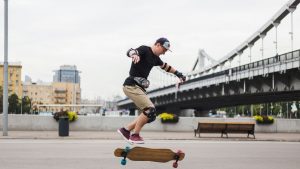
(168, 68)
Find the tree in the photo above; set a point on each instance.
(257, 109)
(26, 104)
(13, 102)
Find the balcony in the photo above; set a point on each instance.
(60, 95)
(60, 101)
(60, 90)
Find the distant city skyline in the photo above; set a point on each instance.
(95, 35)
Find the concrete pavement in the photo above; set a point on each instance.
(98, 154)
(94, 150)
(112, 135)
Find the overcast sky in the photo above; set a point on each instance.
(94, 35)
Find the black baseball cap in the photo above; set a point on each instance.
(164, 42)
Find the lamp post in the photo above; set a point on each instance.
(5, 65)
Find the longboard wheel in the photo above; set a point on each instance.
(127, 148)
(175, 164)
(123, 161)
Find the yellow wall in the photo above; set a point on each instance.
(14, 79)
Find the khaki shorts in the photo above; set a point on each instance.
(138, 96)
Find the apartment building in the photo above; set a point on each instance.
(62, 93)
(14, 78)
(39, 93)
(52, 96)
(66, 93)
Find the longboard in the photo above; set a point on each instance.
(149, 154)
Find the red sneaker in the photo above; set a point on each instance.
(124, 133)
(136, 139)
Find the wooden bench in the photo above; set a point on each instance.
(225, 128)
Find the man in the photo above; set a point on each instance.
(134, 87)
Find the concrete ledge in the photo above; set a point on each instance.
(99, 123)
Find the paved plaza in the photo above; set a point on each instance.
(98, 154)
(94, 150)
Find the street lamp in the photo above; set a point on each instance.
(5, 65)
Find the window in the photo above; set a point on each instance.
(251, 65)
(282, 58)
(296, 53)
(289, 56)
(255, 64)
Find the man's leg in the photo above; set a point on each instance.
(148, 116)
(131, 125)
(140, 122)
(137, 125)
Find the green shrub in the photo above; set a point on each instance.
(264, 119)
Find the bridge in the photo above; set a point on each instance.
(230, 82)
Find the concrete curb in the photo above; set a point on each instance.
(110, 135)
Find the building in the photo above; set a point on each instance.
(55, 93)
(39, 93)
(67, 74)
(66, 93)
(63, 93)
(14, 78)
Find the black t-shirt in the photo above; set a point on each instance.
(142, 69)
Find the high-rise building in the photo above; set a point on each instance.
(67, 73)
(28, 79)
(14, 78)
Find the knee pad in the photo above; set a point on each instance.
(150, 113)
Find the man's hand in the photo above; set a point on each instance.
(181, 77)
(134, 54)
(135, 59)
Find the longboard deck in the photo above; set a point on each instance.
(149, 154)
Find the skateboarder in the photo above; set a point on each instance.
(134, 87)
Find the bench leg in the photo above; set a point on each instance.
(252, 133)
(197, 131)
(225, 134)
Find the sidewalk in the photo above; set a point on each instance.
(111, 135)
